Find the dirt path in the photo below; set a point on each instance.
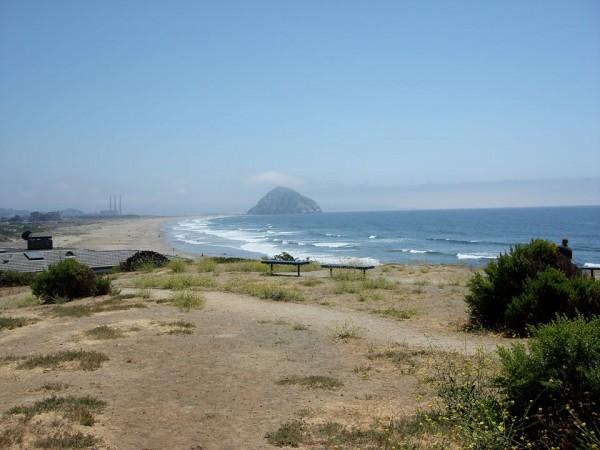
(218, 388)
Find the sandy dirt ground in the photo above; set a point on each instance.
(218, 387)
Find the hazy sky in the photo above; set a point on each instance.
(202, 106)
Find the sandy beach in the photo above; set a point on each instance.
(143, 233)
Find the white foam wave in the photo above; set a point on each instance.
(332, 244)
(465, 256)
(346, 260)
(412, 250)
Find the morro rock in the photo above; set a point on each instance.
(283, 200)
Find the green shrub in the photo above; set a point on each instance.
(143, 259)
(9, 278)
(67, 280)
(177, 265)
(470, 409)
(187, 300)
(528, 286)
(246, 265)
(103, 286)
(555, 383)
(206, 265)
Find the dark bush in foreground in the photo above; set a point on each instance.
(68, 279)
(542, 395)
(145, 258)
(11, 278)
(530, 285)
(555, 383)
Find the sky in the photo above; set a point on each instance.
(193, 107)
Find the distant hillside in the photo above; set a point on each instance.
(283, 200)
(9, 212)
(72, 213)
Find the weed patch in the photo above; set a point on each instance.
(87, 360)
(104, 332)
(205, 265)
(26, 302)
(67, 441)
(245, 266)
(177, 265)
(297, 326)
(54, 387)
(312, 382)
(144, 293)
(9, 323)
(348, 330)
(268, 290)
(178, 327)
(290, 434)
(312, 283)
(186, 300)
(80, 410)
(404, 359)
(177, 282)
(380, 435)
(400, 314)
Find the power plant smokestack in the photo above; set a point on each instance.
(113, 208)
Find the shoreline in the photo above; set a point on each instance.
(143, 233)
(140, 233)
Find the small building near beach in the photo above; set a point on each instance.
(39, 241)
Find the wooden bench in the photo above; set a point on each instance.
(362, 267)
(273, 262)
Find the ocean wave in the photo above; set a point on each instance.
(409, 250)
(347, 260)
(333, 244)
(464, 256)
(467, 242)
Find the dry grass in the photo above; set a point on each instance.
(352, 404)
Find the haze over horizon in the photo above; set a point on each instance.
(203, 107)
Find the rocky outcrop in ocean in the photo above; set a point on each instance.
(282, 200)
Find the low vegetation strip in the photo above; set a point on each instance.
(186, 300)
(176, 282)
(88, 360)
(312, 382)
(9, 323)
(76, 409)
(73, 411)
(268, 290)
(104, 332)
(10, 278)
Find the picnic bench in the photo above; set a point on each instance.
(283, 262)
(362, 267)
(590, 267)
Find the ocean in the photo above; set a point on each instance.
(469, 236)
